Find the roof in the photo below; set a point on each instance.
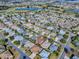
(40, 40)
(13, 26)
(1, 26)
(62, 32)
(2, 48)
(46, 44)
(75, 57)
(7, 30)
(29, 44)
(33, 37)
(20, 30)
(44, 54)
(77, 43)
(35, 48)
(53, 48)
(59, 37)
(44, 58)
(6, 54)
(18, 37)
(68, 48)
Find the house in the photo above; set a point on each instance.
(2, 48)
(19, 30)
(46, 44)
(42, 33)
(1, 26)
(2, 16)
(44, 58)
(67, 48)
(52, 35)
(75, 57)
(8, 22)
(33, 37)
(66, 57)
(18, 38)
(22, 18)
(13, 26)
(50, 28)
(35, 49)
(53, 48)
(78, 33)
(40, 40)
(29, 44)
(62, 32)
(6, 55)
(7, 30)
(32, 55)
(58, 38)
(11, 33)
(44, 54)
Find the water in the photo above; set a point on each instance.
(76, 10)
(73, 10)
(30, 9)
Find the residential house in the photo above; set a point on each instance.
(62, 32)
(13, 26)
(1, 26)
(40, 40)
(67, 48)
(75, 57)
(19, 30)
(44, 54)
(29, 44)
(7, 30)
(66, 57)
(2, 48)
(59, 37)
(45, 44)
(18, 38)
(50, 28)
(53, 48)
(6, 55)
(44, 58)
(32, 55)
(35, 49)
(33, 37)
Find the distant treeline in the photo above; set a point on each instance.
(4, 7)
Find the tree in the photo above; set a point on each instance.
(56, 53)
(11, 37)
(17, 42)
(2, 41)
(6, 33)
(76, 15)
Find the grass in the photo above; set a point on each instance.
(73, 46)
(17, 43)
(65, 36)
(52, 56)
(63, 41)
(37, 57)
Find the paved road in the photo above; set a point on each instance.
(67, 43)
(21, 52)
